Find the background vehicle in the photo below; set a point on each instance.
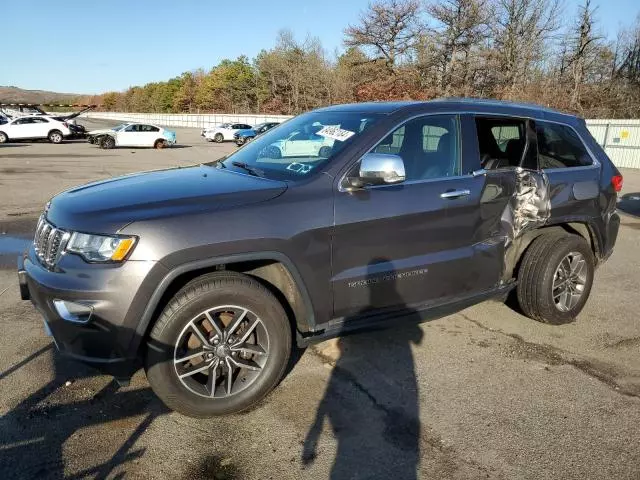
(302, 143)
(209, 273)
(34, 127)
(77, 131)
(135, 135)
(95, 134)
(223, 132)
(243, 136)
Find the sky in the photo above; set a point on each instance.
(92, 47)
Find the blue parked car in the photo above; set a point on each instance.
(243, 136)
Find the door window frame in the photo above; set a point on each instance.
(460, 125)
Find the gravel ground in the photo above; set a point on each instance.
(485, 393)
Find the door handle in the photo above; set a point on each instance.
(455, 193)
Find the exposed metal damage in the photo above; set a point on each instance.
(530, 206)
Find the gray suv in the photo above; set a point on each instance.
(347, 217)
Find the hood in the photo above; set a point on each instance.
(107, 206)
(100, 130)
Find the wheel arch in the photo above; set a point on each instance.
(582, 228)
(273, 269)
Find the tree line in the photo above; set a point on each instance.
(525, 50)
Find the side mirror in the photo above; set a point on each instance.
(380, 169)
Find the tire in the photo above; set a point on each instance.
(4, 138)
(90, 140)
(547, 262)
(159, 144)
(217, 293)
(55, 136)
(108, 143)
(218, 138)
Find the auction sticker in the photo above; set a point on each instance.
(335, 132)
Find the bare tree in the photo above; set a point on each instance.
(521, 31)
(583, 45)
(461, 26)
(388, 28)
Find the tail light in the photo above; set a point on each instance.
(616, 181)
(65, 124)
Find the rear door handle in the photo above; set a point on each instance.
(455, 193)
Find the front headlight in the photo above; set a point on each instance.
(100, 248)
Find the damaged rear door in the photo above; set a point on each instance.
(572, 173)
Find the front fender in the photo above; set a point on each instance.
(150, 301)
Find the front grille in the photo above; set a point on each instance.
(49, 243)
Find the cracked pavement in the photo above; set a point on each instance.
(485, 393)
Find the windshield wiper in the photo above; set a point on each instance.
(246, 167)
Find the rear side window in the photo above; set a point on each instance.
(560, 147)
(39, 120)
(429, 147)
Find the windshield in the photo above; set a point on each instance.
(300, 146)
(119, 127)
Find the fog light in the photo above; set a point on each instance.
(72, 311)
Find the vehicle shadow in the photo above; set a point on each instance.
(374, 418)
(630, 203)
(34, 432)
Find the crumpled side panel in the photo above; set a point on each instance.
(530, 206)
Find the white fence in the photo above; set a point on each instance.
(189, 120)
(619, 138)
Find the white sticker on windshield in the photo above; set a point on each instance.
(299, 167)
(335, 132)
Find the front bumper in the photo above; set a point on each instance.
(102, 339)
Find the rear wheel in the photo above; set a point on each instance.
(218, 138)
(90, 140)
(221, 344)
(108, 143)
(555, 278)
(55, 136)
(3, 137)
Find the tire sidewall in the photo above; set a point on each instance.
(218, 138)
(159, 362)
(4, 138)
(563, 248)
(55, 137)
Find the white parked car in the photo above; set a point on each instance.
(134, 135)
(301, 144)
(34, 127)
(223, 132)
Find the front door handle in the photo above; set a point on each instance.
(455, 193)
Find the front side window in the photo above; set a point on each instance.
(23, 121)
(429, 147)
(300, 146)
(560, 147)
(39, 120)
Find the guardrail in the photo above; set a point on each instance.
(619, 138)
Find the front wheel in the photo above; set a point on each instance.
(218, 138)
(221, 344)
(3, 137)
(108, 143)
(55, 136)
(159, 144)
(555, 278)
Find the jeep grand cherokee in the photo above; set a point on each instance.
(208, 275)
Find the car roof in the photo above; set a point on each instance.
(472, 105)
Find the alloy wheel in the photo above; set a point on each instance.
(221, 351)
(569, 281)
